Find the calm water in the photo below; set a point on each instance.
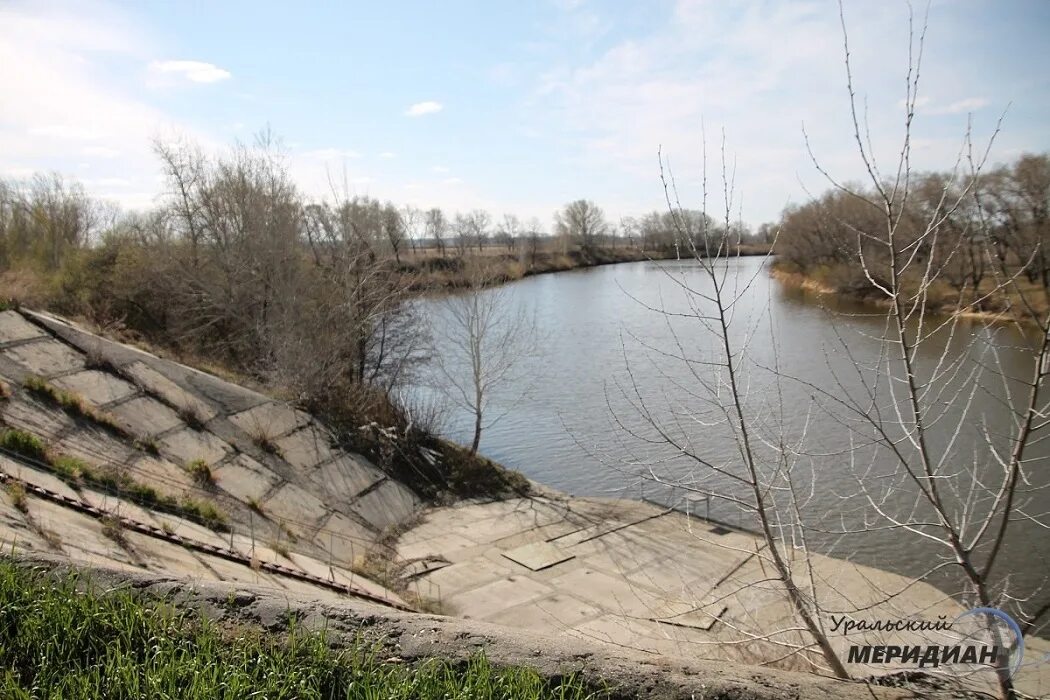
(604, 353)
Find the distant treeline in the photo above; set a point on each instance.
(990, 237)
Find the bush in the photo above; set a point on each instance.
(23, 443)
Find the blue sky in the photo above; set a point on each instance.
(516, 107)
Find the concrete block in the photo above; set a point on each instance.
(166, 557)
(168, 478)
(145, 417)
(495, 597)
(80, 535)
(441, 546)
(344, 538)
(538, 555)
(388, 504)
(458, 578)
(13, 327)
(549, 615)
(17, 539)
(117, 506)
(46, 357)
(187, 445)
(43, 423)
(38, 477)
(294, 507)
(306, 447)
(244, 478)
(343, 478)
(97, 387)
(613, 593)
(270, 420)
(191, 530)
(156, 383)
(94, 446)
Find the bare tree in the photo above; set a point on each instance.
(394, 229)
(582, 222)
(437, 228)
(481, 339)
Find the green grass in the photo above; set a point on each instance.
(76, 471)
(23, 443)
(201, 472)
(72, 403)
(56, 641)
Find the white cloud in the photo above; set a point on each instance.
(387, 155)
(66, 109)
(194, 71)
(440, 169)
(421, 108)
(452, 181)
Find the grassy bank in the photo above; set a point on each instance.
(61, 639)
(435, 272)
(1017, 301)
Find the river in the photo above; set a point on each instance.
(604, 351)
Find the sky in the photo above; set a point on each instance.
(516, 107)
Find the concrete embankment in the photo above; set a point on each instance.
(109, 453)
(404, 637)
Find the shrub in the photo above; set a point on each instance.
(23, 443)
(17, 492)
(201, 472)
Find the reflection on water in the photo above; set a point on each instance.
(605, 348)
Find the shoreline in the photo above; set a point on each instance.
(805, 283)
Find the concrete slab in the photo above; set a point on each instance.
(15, 530)
(16, 539)
(76, 531)
(466, 576)
(13, 327)
(344, 478)
(240, 573)
(97, 387)
(168, 478)
(388, 504)
(93, 446)
(168, 558)
(117, 506)
(306, 447)
(343, 538)
(187, 445)
(259, 548)
(270, 420)
(34, 419)
(156, 383)
(38, 477)
(552, 614)
(614, 594)
(538, 555)
(145, 417)
(46, 357)
(294, 507)
(244, 478)
(493, 598)
(191, 530)
(446, 546)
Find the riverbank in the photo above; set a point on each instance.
(251, 629)
(637, 576)
(434, 272)
(942, 300)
